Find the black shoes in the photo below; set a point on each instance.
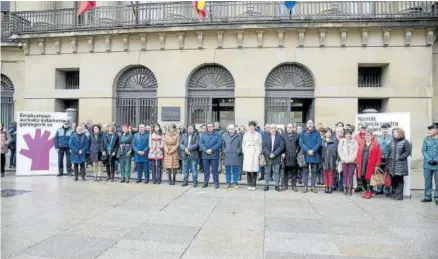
(277, 189)
(184, 184)
(204, 185)
(123, 180)
(426, 200)
(60, 174)
(330, 190)
(266, 188)
(195, 185)
(326, 190)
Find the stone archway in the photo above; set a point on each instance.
(136, 96)
(7, 100)
(289, 89)
(210, 90)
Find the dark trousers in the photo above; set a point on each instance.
(82, 170)
(213, 164)
(12, 158)
(348, 171)
(110, 167)
(251, 177)
(398, 184)
(61, 152)
(156, 166)
(142, 167)
(314, 171)
(3, 163)
(290, 171)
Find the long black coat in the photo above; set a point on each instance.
(291, 148)
(399, 151)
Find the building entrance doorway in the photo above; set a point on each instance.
(223, 111)
(210, 96)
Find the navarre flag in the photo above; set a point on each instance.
(200, 8)
(86, 6)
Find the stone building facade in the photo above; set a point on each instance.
(246, 61)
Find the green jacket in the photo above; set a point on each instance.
(430, 152)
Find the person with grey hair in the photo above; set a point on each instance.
(232, 148)
(292, 147)
(273, 146)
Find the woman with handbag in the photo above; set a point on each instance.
(156, 155)
(399, 151)
(369, 157)
(110, 143)
(347, 151)
(125, 154)
(252, 152)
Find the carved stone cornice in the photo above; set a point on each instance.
(91, 43)
(42, 46)
(364, 38)
(301, 38)
(408, 37)
(259, 39)
(220, 39)
(180, 38)
(125, 41)
(200, 39)
(57, 44)
(108, 43)
(280, 37)
(240, 39)
(344, 37)
(74, 45)
(26, 47)
(162, 39)
(143, 41)
(385, 35)
(322, 37)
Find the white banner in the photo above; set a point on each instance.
(402, 120)
(36, 154)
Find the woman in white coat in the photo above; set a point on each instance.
(251, 148)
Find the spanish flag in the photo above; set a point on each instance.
(200, 8)
(85, 6)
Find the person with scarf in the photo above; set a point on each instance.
(140, 145)
(171, 154)
(156, 153)
(110, 142)
(78, 144)
(125, 154)
(369, 158)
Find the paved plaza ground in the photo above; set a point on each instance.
(59, 218)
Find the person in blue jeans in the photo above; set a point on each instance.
(210, 143)
(233, 156)
(310, 143)
(140, 145)
(430, 163)
(13, 144)
(189, 146)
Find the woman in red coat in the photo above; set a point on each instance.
(369, 157)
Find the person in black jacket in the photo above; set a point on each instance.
(110, 148)
(292, 147)
(273, 146)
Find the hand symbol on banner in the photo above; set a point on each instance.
(38, 150)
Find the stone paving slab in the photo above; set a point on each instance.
(59, 218)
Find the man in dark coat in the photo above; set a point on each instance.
(264, 134)
(189, 146)
(273, 146)
(292, 147)
(233, 157)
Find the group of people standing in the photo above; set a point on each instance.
(287, 156)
